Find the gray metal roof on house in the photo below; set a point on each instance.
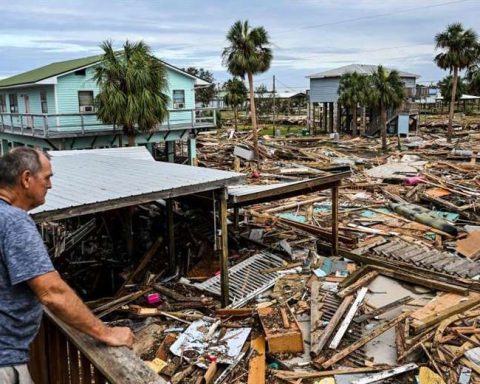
(365, 69)
(86, 182)
(133, 153)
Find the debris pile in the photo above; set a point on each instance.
(399, 303)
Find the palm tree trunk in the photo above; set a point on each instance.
(131, 140)
(383, 126)
(452, 105)
(354, 118)
(253, 116)
(235, 117)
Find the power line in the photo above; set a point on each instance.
(372, 16)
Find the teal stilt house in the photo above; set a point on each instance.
(53, 107)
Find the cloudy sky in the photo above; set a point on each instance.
(308, 36)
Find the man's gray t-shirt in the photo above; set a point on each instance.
(23, 256)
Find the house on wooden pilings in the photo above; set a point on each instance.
(324, 96)
(52, 107)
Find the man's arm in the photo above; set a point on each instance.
(64, 303)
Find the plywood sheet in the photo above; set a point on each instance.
(470, 246)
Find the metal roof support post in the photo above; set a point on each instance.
(172, 257)
(222, 215)
(335, 198)
(192, 151)
(170, 151)
(5, 148)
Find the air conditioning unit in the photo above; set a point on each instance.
(179, 105)
(86, 108)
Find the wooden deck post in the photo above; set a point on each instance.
(222, 214)
(338, 125)
(236, 218)
(172, 257)
(4, 147)
(325, 117)
(170, 151)
(192, 151)
(335, 199)
(331, 120)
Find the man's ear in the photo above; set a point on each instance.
(25, 178)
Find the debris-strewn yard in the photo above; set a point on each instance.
(400, 303)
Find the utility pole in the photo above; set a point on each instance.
(273, 119)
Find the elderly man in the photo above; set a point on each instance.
(27, 276)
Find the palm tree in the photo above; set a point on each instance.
(236, 96)
(460, 49)
(132, 84)
(352, 91)
(386, 92)
(248, 54)
(473, 79)
(445, 86)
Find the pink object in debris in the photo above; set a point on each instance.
(153, 298)
(414, 180)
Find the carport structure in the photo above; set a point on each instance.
(94, 181)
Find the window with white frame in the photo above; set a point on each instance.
(3, 103)
(85, 101)
(178, 98)
(13, 100)
(43, 101)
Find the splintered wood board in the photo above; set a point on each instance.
(470, 246)
(441, 303)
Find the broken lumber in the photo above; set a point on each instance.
(257, 364)
(375, 377)
(364, 340)
(382, 310)
(358, 284)
(348, 318)
(316, 347)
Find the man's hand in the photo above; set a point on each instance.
(118, 337)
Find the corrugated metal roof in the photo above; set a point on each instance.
(245, 189)
(88, 181)
(134, 153)
(365, 69)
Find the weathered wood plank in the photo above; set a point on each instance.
(328, 331)
(364, 340)
(257, 364)
(118, 365)
(358, 284)
(348, 318)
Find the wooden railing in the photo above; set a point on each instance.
(62, 355)
(56, 125)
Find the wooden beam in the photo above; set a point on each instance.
(257, 364)
(383, 309)
(348, 318)
(172, 257)
(117, 364)
(358, 284)
(222, 214)
(335, 199)
(328, 331)
(364, 340)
